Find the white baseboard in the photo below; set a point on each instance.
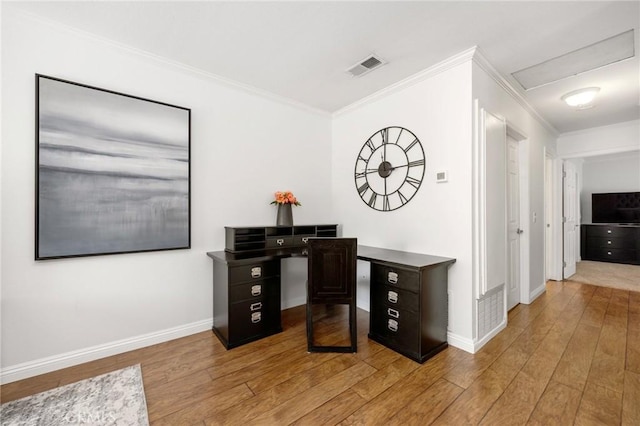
(460, 342)
(480, 343)
(470, 345)
(535, 293)
(57, 362)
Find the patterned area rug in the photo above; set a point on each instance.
(615, 275)
(115, 398)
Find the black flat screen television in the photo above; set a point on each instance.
(616, 207)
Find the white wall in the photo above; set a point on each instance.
(611, 156)
(437, 221)
(243, 148)
(621, 137)
(492, 95)
(438, 108)
(611, 173)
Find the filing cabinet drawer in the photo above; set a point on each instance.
(252, 290)
(400, 329)
(400, 278)
(395, 297)
(252, 318)
(253, 272)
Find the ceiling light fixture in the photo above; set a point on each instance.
(581, 98)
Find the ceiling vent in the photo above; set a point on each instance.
(366, 65)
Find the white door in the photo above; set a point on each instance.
(570, 218)
(548, 212)
(513, 224)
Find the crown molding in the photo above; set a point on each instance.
(480, 59)
(606, 127)
(161, 60)
(412, 80)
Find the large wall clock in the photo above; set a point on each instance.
(389, 168)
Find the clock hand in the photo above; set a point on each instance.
(397, 167)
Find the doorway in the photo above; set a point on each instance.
(548, 218)
(569, 218)
(513, 223)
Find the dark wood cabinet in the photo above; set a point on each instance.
(408, 291)
(409, 301)
(246, 279)
(610, 243)
(246, 301)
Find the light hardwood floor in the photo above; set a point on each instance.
(571, 357)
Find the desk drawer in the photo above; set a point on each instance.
(254, 272)
(252, 290)
(400, 329)
(252, 318)
(301, 240)
(394, 277)
(276, 242)
(394, 297)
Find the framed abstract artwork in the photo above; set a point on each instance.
(112, 172)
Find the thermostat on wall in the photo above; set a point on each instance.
(441, 176)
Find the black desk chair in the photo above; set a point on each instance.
(332, 281)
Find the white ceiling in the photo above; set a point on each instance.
(300, 49)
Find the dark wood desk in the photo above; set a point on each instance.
(409, 304)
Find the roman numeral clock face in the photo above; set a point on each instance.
(389, 168)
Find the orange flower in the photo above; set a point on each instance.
(285, 197)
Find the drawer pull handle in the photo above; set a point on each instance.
(256, 290)
(392, 277)
(392, 325)
(393, 313)
(255, 306)
(609, 253)
(256, 272)
(280, 241)
(608, 231)
(608, 242)
(392, 296)
(305, 240)
(256, 317)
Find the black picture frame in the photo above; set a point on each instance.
(113, 172)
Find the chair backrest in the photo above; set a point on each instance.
(332, 270)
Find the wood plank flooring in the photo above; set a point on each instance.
(571, 357)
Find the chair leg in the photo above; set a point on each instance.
(309, 326)
(353, 326)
